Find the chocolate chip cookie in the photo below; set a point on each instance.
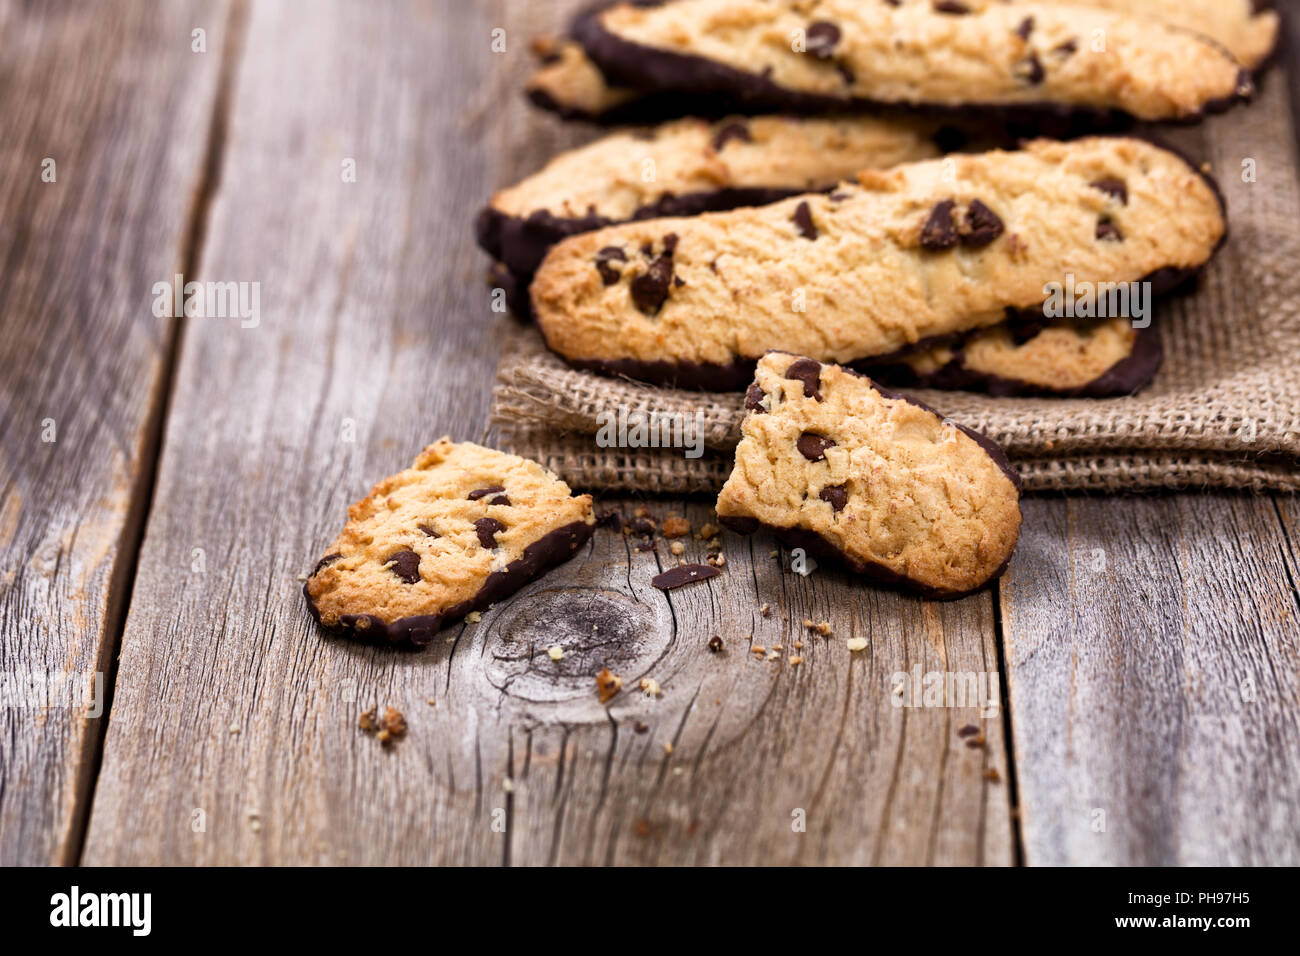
(463, 527)
(836, 465)
(921, 250)
(1070, 358)
(814, 54)
(683, 168)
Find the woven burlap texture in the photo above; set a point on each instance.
(1224, 410)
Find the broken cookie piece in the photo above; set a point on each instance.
(896, 492)
(1067, 358)
(464, 527)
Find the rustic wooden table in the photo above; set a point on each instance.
(1141, 653)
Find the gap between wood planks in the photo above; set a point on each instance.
(122, 585)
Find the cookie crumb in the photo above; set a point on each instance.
(715, 644)
(607, 684)
(717, 560)
(758, 650)
(857, 644)
(473, 617)
(676, 526)
(708, 531)
(677, 548)
(650, 687)
(431, 702)
(234, 728)
(765, 610)
(992, 775)
(556, 652)
(508, 785)
(796, 661)
(978, 741)
(369, 720)
(641, 727)
(393, 725)
(668, 746)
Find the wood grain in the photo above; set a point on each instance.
(1152, 653)
(233, 736)
(115, 96)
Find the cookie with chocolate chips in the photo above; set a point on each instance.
(887, 486)
(951, 54)
(461, 528)
(686, 167)
(901, 259)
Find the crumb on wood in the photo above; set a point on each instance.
(607, 684)
(992, 775)
(676, 526)
(716, 560)
(473, 617)
(765, 610)
(758, 650)
(715, 644)
(668, 746)
(856, 644)
(677, 548)
(650, 687)
(369, 720)
(555, 652)
(796, 661)
(709, 530)
(820, 627)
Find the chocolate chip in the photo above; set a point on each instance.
(731, 131)
(970, 730)
(1068, 48)
(1029, 69)
(670, 243)
(813, 447)
(822, 37)
(845, 73)
(839, 196)
(837, 495)
(324, 562)
(478, 493)
(429, 530)
(650, 289)
(609, 254)
(487, 529)
(683, 574)
(803, 220)
(715, 644)
(644, 526)
(982, 225)
(808, 371)
(405, 564)
(500, 500)
(1026, 27)
(641, 727)
(951, 6)
(754, 399)
(1112, 187)
(1108, 231)
(939, 232)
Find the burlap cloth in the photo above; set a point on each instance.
(1223, 412)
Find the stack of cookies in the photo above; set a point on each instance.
(836, 199)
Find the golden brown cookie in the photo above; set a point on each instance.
(838, 466)
(918, 251)
(686, 167)
(461, 528)
(1094, 358)
(811, 54)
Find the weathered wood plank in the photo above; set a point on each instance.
(115, 97)
(233, 737)
(1152, 653)
(374, 337)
